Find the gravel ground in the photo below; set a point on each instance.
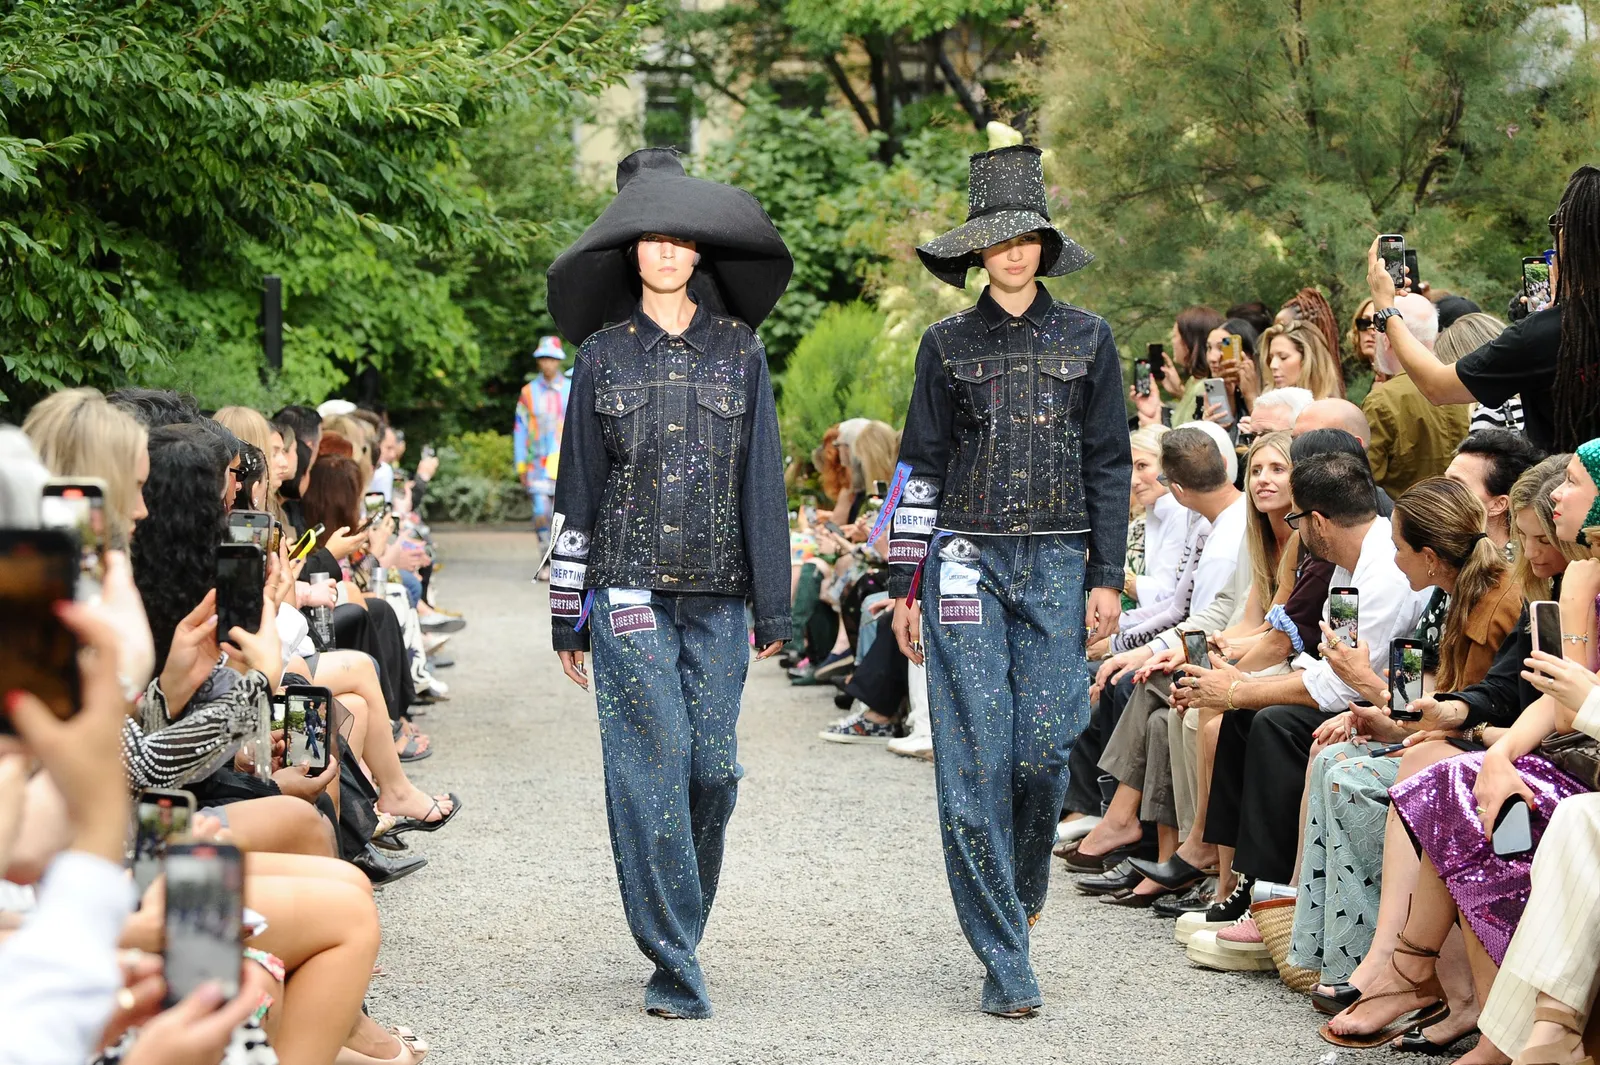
(833, 937)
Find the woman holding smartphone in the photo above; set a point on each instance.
(670, 513)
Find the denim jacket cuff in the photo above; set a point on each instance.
(565, 639)
(773, 630)
(899, 584)
(1104, 577)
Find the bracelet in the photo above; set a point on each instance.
(1231, 688)
(1475, 733)
(1575, 637)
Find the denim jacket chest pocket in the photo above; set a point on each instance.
(721, 411)
(1060, 379)
(622, 419)
(980, 387)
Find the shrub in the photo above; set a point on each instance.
(477, 482)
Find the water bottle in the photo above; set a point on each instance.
(378, 583)
(322, 616)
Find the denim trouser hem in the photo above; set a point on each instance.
(666, 992)
(995, 1002)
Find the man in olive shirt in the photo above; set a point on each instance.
(1410, 437)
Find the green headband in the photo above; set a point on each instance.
(1589, 455)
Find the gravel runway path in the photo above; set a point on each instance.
(833, 937)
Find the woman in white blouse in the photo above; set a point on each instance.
(1164, 522)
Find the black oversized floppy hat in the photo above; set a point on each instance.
(744, 265)
(1005, 199)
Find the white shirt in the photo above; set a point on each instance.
(59, 975)
(1386, 608)
(1164, 526)
(1219, 561)
(383, 481)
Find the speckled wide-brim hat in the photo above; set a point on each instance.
(744, 265)
(1005, 199)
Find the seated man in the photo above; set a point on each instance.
(1137, 752)
(1264, 741)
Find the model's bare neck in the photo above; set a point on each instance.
(672, 311)
(1015, 301)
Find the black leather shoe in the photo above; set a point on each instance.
(382, 869)
(1344, 996)
(1079, 862)
(1174, 874)
(1415, 1042)
(1132, 900)
(1122, 877)
(1195, 899)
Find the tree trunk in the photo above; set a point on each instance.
(979, 112)
(857, 104)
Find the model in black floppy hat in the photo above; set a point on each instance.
(745, 265)
(1005, 199)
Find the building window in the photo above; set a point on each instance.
(668, 112)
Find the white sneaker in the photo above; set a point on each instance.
(1067, 831)
(1192, 924)
(437, 686)
(1204, 952)
(913, 746)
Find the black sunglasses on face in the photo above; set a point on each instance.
(1364, 325)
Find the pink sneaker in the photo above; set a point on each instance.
(1243, 938)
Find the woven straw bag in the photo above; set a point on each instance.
(1275, 920)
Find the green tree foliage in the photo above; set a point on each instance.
(182, 145)
(819, 387)
(1225, 150)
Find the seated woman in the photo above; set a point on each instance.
(1162, 520)
(1345, 861)
(1461, 876)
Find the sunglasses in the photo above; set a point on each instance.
(1365, 325)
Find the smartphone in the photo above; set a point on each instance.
(307, 712)
(833, 527)
(1392, 250)
(1413, 272)
(1195, 650)
(160, 818)
(1546, 617)
(372, 504)
(1342, 615)
(1156, 356)
(1141, 378)
(427, 451)
(1536, 282)
(241, 580)
(38, 653)
(1405, 678)
(250, 527)
(275, 537)
(1513, 829)
(307, 543)
(1232, 349)
(79, 507)
(1217, 396)
(204, 920)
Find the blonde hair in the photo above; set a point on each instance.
(1264, 553)
(1319, 372)
(252, 427)
(1148, 439)
(358, 433)
(873, 453)
(78, 433)
(1532, 492)
(1466, 335)
(1353, 337)
(1444, 515)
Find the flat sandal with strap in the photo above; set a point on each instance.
(1421, 1017)
(1555, 1053)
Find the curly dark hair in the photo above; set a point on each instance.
(173, 549)
(333, 498)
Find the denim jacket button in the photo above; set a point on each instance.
(674, 376)
(672, 478)
(674, 428)
(669, 528)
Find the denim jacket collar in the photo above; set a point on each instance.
(649, 333)
(995, 316)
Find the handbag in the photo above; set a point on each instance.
(1576, 754)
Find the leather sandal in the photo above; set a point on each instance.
(1174, 874)
(1337, 999)
(1555, 1053)
(1421, 1017)
(412, 1051)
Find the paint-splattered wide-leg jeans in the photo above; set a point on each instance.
(1003, 623)
(669, 672)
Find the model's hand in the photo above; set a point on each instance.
(1104, 611)
(908, 630)
(769, 650)
(572, 666)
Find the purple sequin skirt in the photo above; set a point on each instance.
(1439, 808)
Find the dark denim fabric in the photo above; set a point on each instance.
(1017, 425)
(1003, 623)
(668, 676)
(671, 472)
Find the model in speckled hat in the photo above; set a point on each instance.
(670, 515)
(1007, 541)
(1005, 199)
